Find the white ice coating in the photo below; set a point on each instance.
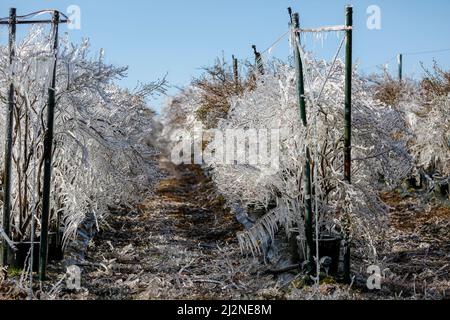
(100, 134)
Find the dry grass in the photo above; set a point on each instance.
(419, 255)
(436, 83)
(388, 90)
(217, 86)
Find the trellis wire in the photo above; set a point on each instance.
(324, 29)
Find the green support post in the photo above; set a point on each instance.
(348, 129)
(236, 73)
(299, 69)
(307, 167)
(258, 60)
(9, 142)
(48, 146)
(290, 15)
(400, 68)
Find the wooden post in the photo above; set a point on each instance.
(258, 60)
(307, 167)
(400, 68)
(348, 129)
(9, 141)
(48, 146)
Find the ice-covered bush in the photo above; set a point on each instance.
(180, 111)
(379, 155)
(427, 111)
(424, 105)
(102, 155)
(430, 124)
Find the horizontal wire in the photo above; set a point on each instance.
(33, 14)
(406, 54)
(425, 52)
(380, 64)
(325, 29)
(318, 30)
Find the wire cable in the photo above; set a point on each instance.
(37, 13)
(380, 64)
(273, 45)
(425, 52)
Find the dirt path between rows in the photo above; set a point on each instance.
(179, 245)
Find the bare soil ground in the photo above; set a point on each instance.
(181, 244)
(418, 255)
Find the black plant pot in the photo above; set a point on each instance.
(17, 259)
(329, 246)
(55, 248)
(444, 189)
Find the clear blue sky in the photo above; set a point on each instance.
(180, 36)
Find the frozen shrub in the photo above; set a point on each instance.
(379, 155)
(102, 155)
(430, 124)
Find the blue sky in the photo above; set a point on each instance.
(179, 36)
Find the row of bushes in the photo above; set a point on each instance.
(102, 155)
(398, 127)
